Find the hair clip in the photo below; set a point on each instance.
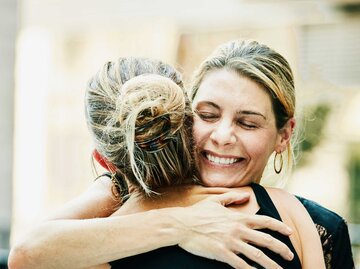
(158, 142)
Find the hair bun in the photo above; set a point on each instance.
(153, 107)
(157, 140)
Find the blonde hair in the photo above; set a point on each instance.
(141, 121)
(262, 65)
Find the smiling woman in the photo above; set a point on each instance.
(235, 129)
(269, 72)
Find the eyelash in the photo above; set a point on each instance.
(210, 116)
(206, 116)
(247, 126)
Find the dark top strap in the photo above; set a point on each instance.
(267, 208)
(264, 201)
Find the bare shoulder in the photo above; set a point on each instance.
(99, 200)
(305, 237)
(288, 205)
(102, 185)
(290, 211)
(283, 196)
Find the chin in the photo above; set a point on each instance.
(220, 182)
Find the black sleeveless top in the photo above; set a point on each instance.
(176, 258)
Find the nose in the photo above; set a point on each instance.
(223, 133)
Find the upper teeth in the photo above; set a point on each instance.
(220, 160)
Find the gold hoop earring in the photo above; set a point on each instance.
(278, 170)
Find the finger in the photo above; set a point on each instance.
(265, 222)
(231, 198)
(234, 260)
(265, 240)
(256, 255)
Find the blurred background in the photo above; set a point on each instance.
(50, 48)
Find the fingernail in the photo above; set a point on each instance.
(290, 256)
(289, 230)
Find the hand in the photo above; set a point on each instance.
(216, 232)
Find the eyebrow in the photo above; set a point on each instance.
(208, 103)
(250, 112)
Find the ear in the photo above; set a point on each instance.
(285, 134)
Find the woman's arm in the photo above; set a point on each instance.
(84, 243)
(311, 245)
(73, 243)
(310, 252)
(53, 235)
(96, 202)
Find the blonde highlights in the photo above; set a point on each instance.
(141, 121)
(262, 65)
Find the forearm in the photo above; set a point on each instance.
(206, 229)
(85, 243)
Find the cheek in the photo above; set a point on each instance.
(198, 131)
(259, 146)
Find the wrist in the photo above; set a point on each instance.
(172, 227)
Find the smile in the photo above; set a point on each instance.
(219, 160)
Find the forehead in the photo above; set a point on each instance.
(228, 88)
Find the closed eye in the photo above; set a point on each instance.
(247, 125)
(207, 116)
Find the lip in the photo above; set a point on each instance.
(208, 162)
(204, 152)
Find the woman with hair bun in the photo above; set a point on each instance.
(146, 137)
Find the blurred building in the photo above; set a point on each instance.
(62, 43)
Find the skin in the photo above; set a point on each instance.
(234, 119)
